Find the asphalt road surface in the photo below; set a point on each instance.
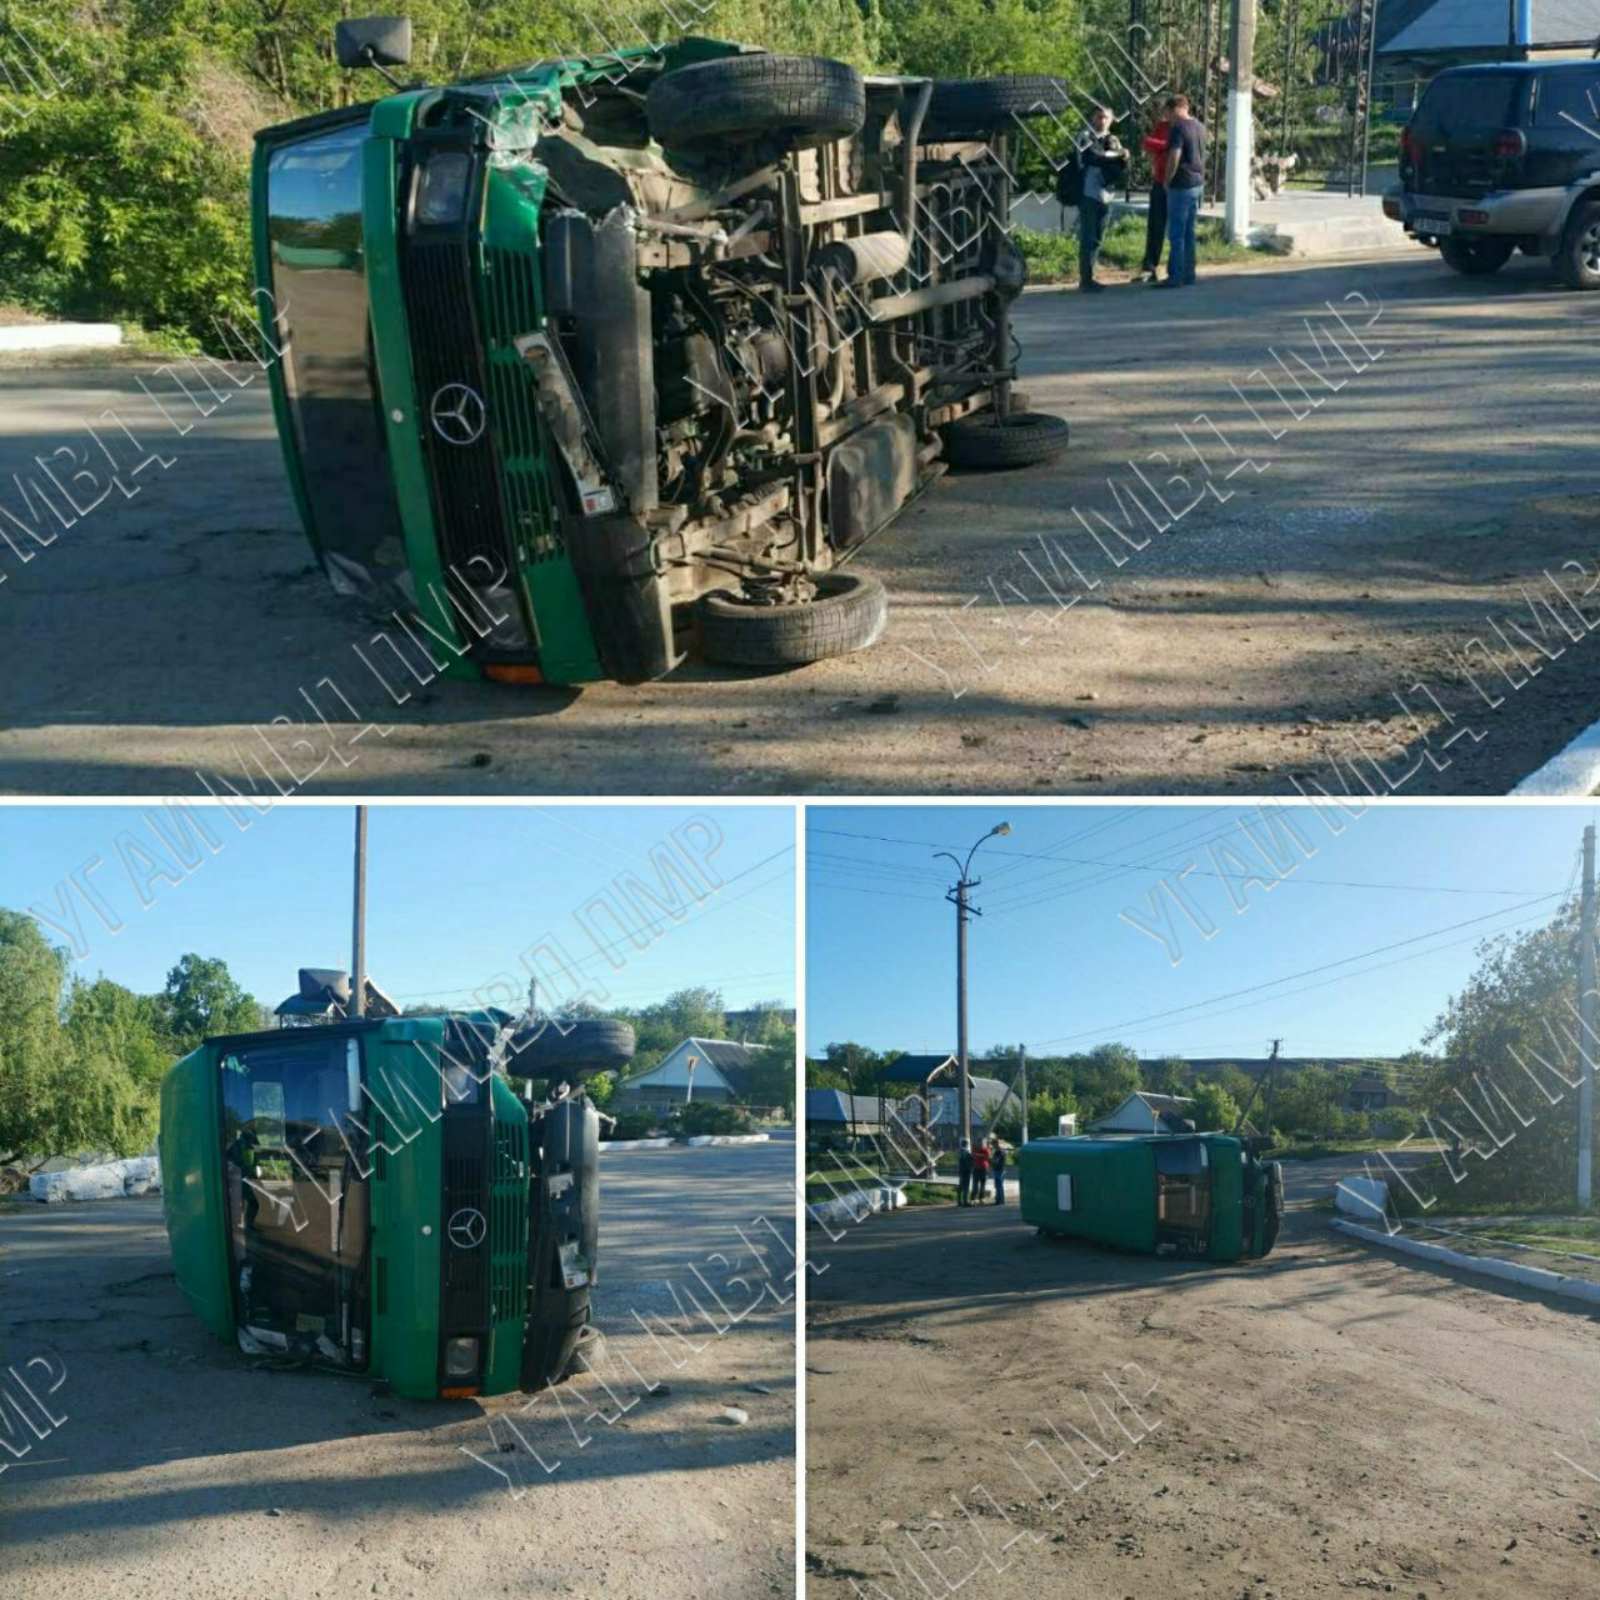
(1331, 1420)
(181, 1471)
(1449, 462)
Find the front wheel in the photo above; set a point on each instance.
(1578, 259)
(1022, 439)
(1476, 258)
(849, 613)
(800, 101)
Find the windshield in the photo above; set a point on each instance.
(297, 1200)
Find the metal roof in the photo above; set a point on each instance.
(1487, 25)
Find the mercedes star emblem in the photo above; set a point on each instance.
(466, 1228)
(458, 414)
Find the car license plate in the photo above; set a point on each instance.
(1429, 222)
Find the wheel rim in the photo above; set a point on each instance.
(1589, 248)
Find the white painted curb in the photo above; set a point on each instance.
(637, 1144)
(1485, 1266)
(60, 336)
(1574, 773)
(857, 1204)
(728, 1138)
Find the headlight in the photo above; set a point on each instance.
(442, 188)
(461, 1087)
(460, 1358)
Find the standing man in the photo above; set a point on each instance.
(1101, 159)
(980, 1171)
(964, 1175)
(1155, 232)
(1186, 156)
(998, 1162)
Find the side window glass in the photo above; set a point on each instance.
(1569, 100)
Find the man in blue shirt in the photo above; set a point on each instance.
(1186, 175)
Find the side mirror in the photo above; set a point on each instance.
(373, 42)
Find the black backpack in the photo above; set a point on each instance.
(1069, 182)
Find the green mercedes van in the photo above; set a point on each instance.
(374, 1197)
(1204, 1195)
(591, 363)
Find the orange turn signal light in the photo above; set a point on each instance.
(507, 673)
(459, 1394)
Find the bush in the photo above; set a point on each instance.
(634, 1125)
(706, 1117)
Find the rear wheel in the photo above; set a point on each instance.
(973, 107)
(1578, 259)
(1023, 439)
(802, 101)
(849, 613)
(595, 1043)
(1476, 258)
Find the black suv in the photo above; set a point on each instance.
(1504, 157)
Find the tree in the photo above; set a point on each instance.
(32, 972)
(1104, 1078)
(203, 999)
(1169, 1076)
(1214, 1109)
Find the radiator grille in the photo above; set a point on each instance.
(508, 1222)
(513, 306)
(445, 350)
(464, 1271)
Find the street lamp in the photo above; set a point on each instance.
(958, 897)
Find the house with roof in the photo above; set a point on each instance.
(1142, 1112)
(833, 1112)
(1451, 33)
(937, 1078)
(709, 1070)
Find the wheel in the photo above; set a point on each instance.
(971, 107)
(849, 613)
(1578, 259)
(1476, 258)
(801, 100)
(1023, 439)
(597, 1043)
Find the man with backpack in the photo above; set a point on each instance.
(1086, 181)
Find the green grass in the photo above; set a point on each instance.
(1053, 257)
(832, 1185)
(1317, 1150)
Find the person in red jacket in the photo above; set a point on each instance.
(1155, 233)
(980, 1170)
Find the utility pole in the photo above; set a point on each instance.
(358, 932)
(957, 895)
(1022, 1050)
(1586, 1000)
(1272, 1085)
(1241, 118)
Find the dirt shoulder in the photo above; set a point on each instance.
(1322, 1422)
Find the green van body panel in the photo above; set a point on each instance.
(1114, 1192)
(191, 1187)
(404, 1124)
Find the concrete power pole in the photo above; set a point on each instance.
(1241, 118)
(358, 932)
(1272, 1086)
(963, 911)
(1023, 1052)
(1586, 1025)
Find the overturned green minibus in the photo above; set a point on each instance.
(373, 1197)
(1204, 1195)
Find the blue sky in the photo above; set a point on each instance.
(454, 894)
(1055, 963)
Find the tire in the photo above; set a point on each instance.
(596, 1043)
(1023, 439)
(803, 101)
(1578, 259)
(849, 613)
(972, 107)
(1476, 258)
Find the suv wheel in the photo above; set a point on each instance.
(1476, 258)
(802, 101)
(849, 613)
(976, 107)
(1578, 259)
